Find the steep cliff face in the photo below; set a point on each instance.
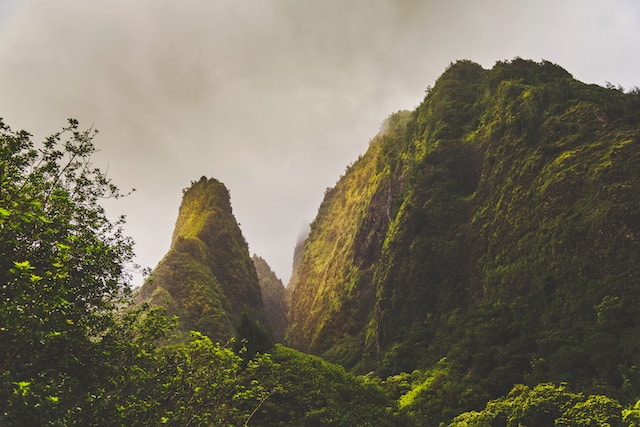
(274, 296)
(498, 225)
(207, 278)
(332, 294)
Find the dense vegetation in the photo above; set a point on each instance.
(76, 350)
(207, 278)
(478, 263)
(496, 226)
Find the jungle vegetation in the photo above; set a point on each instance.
(477, 266)
(496, 227)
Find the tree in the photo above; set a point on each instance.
(306, 390)
(62, 276)
(204, 383)
(75, 349)
(546, 405)
(252, 338)
(631, 416)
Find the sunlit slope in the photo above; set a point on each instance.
(208, 277)
(497, 225)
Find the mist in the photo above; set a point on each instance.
(274, 98)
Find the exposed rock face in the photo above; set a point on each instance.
(207, 278)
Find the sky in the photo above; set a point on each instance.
(275, 98)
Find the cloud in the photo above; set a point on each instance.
(272, 97)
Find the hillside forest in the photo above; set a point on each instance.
(478, 265)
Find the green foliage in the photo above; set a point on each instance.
(70, 347)
(436, 394)
(202, 383)
(314, 392)
(75, 350)
(631, 416)
(488, 238)
(208, 275)
(545, 405)
(252, 338)
(498, 226)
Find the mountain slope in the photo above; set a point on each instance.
(332, 293)
(274, 296)
(497, 225)
(207, 278)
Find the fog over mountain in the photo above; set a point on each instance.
(274, 98)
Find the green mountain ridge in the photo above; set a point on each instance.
(497, 226)
(207, 278)
(478, 265)
(487, 239)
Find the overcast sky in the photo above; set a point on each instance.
(272, 97)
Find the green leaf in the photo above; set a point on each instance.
(24, 265)
(23, 388)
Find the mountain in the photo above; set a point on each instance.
(297, 259)
(208, 277)
(274, 296)
(494, 233)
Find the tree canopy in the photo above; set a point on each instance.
(75, 349)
